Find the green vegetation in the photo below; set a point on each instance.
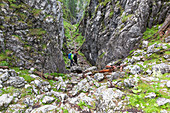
(38, 31)
(81, 104)
(24, 74)
(36, 12)
(101, 56)
(124, 18)
(4, 63)
(148, 105)
(150, 33)
(7, 90)
(4, 56)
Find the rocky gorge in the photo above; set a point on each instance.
(128, 68)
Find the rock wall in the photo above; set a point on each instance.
(113, 28)
(32, 33)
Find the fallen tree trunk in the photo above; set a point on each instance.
(49, 77)
(4, 67)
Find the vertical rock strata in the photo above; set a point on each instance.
(114, 27)
(32, 33)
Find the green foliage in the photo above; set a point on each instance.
(7, 90)
(64, 110)
(24, 74)
(4, 63)
(150, 32)
(27, 77)
(82, 103)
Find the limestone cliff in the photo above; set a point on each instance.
(32, 33)
(113, 28)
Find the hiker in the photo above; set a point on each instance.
(75, 57)
(70, 56)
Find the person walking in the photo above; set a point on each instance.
(70, 56)
(75, 58)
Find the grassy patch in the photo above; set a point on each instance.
(148, 105)
(81, 104)
(8, 90)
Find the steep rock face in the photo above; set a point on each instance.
(32, 32)
(115, 27)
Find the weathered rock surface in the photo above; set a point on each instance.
(5, 100)
(114, 28)
(33, 36)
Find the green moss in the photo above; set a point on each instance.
(101, 56)
(111, 14)
(38, 31)
(6, 55)
(15, 6)
(36, 12)
(124, 18)
(8, 90)
(150, 32)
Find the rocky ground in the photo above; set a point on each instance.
(142, 86)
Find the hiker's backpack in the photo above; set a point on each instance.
(72, 56)
(69, 56)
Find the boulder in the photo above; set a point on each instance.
(5, 100)
(76, 69)
(45, 109)
(48, 100)
(162, 101)
(164, 68)
(99, 76)
(168, 84)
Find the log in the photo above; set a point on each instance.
(4, 67)
(40, 74)
(105, 70)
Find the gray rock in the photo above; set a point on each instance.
(48, 100)
(164, 68)
(76, 69)
(99, 76)
(151, 95)
(149, 72)
(166, 56)
(34, 76)
(164, 111)
(4, 77)
(168, 84)
(162, 101)
(17, 82)
(93, 68)
(45, 49)
(115, 75)
(38, 83)
(115, 38)
(5, 100)
(44, 109)
(28, 102)
(145, 44)
(167, 40)
(129, 82)
(135, 69)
